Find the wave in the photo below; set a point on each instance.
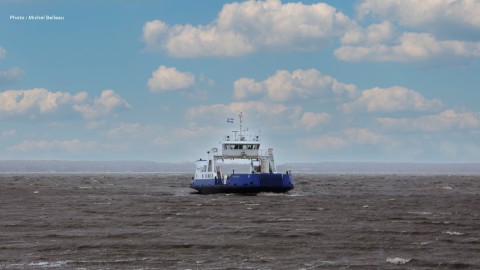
(398, 260)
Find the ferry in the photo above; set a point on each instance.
(262, 176)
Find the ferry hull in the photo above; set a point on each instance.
(245, 183)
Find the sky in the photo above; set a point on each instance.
(332, 81)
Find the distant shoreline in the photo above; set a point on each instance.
(66, 166)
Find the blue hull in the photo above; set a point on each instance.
(245, 183)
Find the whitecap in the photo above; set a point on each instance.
(452, 233)
(49, 264)
(398, 261)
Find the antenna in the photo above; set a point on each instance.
(241, 130)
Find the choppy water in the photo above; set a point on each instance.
(151, 221)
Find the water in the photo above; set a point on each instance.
(152, 221)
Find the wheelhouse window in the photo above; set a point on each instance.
(229, 146)
(241, 146)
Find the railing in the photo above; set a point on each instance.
(266, 152)
(243, 137)
(244, 154)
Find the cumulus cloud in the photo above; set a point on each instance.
(256, 109)
(108, 102)
(169, 78)
(311, 120)
(391, 99)
(273, 115)
(439, 32)
(247, 87)
(242, 28)
(45, 145)
(285, 85)
(40, 101)
(194, 41)
(411, 47)
(445, 120)
(372, 34)
(37, 100)
(445, 18)
(154, 32)
(363, 136)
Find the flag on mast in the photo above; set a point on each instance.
(230, 120)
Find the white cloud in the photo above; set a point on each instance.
(439, 32)
(373, 34)
(10, 75)
(363, 136)
(45, 145)
(195, 41)
(411, 47)
(40, 101)
(269, 115)
(3, 52)
(154, 32)
(260, 114)
(242, 28)
(169, 78)
(107, 103)
(256, 110)
(246, 87)
(443, 17)
(310, 120)
(446, 120)
(37, 100)
(391, 99)
(285, 85)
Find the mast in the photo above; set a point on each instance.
(241, 130)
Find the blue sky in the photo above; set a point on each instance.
(371, 80)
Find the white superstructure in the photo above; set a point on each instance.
(237, 146)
